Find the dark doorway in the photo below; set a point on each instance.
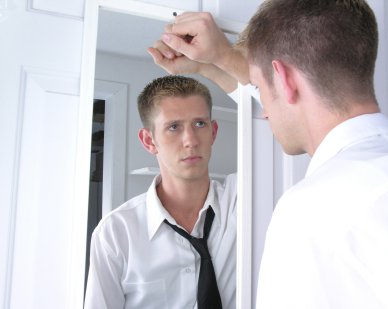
(96, 174)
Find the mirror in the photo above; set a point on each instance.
(122, 59)
(109, 78)
(120, 167)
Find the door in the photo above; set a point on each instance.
(39, 97)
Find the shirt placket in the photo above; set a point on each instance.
(189, 271)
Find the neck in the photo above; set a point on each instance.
(325, 120)
(183, 199)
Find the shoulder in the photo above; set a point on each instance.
(120, 219)
(340, 194)
(227, 186)
(226, 194)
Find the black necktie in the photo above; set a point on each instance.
(208, 296)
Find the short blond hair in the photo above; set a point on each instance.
(169, 86)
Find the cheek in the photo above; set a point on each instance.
(165, 139)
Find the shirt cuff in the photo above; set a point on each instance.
(254, 92)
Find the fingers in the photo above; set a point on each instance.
(160, 60)
(156, 55)
(182, 45)
(190, 23)
(165, 50)
(182, 29)
(191, 16)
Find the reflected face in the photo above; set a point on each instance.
(183, 136)
(280, 114)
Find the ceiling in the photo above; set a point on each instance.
(127, 35)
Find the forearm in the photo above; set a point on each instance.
(234, 62)
(224, 80)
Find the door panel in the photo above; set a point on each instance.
(69, 8)
(44, 199)
(39, 99)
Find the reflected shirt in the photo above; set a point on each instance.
(327, 243)
(137, 261)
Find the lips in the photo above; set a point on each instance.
(192, 159)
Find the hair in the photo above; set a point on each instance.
(168, 86)
(333, 42)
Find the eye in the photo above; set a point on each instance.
(200, 124)
(173, 127)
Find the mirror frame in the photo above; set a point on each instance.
(244, 152)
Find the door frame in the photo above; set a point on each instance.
(115, 96)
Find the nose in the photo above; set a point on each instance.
(190, 138)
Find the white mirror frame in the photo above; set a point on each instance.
(244, 152)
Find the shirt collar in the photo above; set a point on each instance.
(346, 134)
(156, 213)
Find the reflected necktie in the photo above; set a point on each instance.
(208, 296)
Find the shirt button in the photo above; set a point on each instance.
(188, 270)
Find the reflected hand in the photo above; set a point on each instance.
(208, 44)
(172, 61)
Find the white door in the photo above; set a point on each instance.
(39, 98)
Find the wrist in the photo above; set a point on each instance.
(224, 57)
(234, 62)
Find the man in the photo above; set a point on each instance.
(138, 259)
(313, 62)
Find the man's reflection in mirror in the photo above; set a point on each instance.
(173, 246)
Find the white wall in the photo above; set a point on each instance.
(380, 9)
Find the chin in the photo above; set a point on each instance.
(195, 175)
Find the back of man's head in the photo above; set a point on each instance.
(168, 86)
(333, 42)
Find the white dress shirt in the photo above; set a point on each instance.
(137, 261)
(327, 243)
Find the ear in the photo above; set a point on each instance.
(286, 76)
(145, 137)
(214, 130)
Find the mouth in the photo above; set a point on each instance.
(192, 159)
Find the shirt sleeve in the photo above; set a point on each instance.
(230, 185)
(104, 289)
(252, 90)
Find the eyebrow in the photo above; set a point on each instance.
(204, 118)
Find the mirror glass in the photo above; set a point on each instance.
(120, 167)
(122, 58)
